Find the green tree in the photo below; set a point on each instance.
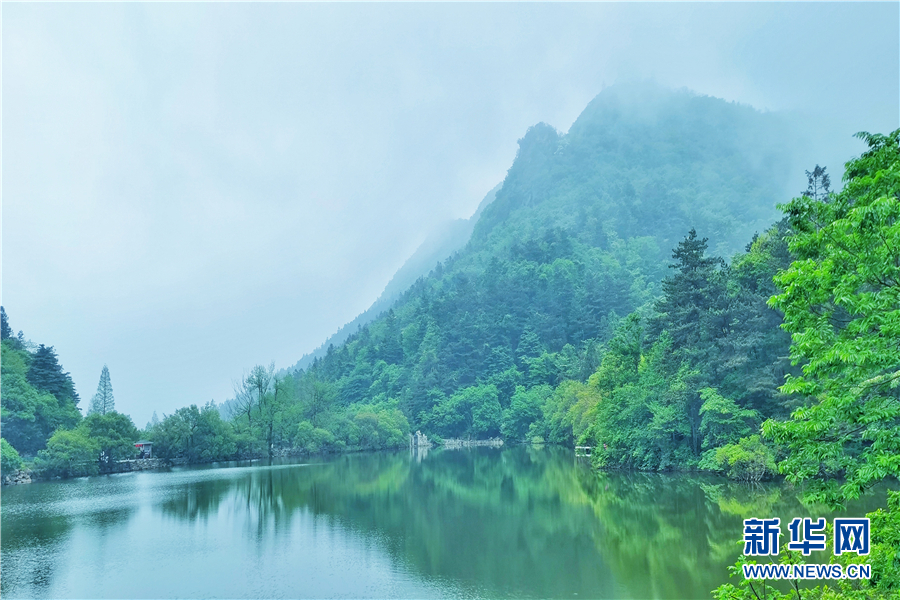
(691, 307)
(68, 454)
(268, 392)
(114, 434)
(245, 399)
(46, 375)
(567, 413)
(648, 416)
(722, 421)
(819, 188)
(474, 411)
(5, 331)
(312, 439)
(524, 409)
(10, 461)
(755, 354)
(841, 301)
(748, 459)
(318, 396)
(103, 401)
(29, 415)
(195, 434)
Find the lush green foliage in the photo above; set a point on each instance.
(37, 396)
(722, 421)
(699, 372)
(747, 460)
(567, 413)
(471, 411)
(841, 300)
(114, 434)
(196, 434)
(46, 375)
(525, 408)
(93, 446)
(69, 453)
(5, 329)
(10, 461)
(293, 415)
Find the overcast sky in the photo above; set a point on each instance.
(192, 189)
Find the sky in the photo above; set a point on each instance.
(189, 190)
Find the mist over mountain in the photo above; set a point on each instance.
(578, 235)
(441, 243)
(645, 161)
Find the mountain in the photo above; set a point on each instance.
(578, 235)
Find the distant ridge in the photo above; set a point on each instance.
(448, 238)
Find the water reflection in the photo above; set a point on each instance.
(38, 522)
(513, 522)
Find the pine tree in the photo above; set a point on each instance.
(47, 375)
(691, 295)
(5, 331)
(103, 401)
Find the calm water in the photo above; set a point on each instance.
(518, 522)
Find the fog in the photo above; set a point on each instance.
(192, 189)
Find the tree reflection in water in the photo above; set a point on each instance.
(511, 522)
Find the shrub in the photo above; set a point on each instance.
(10, 461)
(748, 460)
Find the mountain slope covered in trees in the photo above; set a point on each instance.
(578, 236)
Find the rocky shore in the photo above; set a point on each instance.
(18, 477)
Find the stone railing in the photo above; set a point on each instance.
(137, 464)
(456, 443)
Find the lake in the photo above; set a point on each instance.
(517, 522)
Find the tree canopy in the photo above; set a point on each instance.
(841, 301)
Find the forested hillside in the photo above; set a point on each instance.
(578, 237)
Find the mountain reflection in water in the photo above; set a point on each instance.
(519, 522)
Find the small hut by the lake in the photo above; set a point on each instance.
(145, 447)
